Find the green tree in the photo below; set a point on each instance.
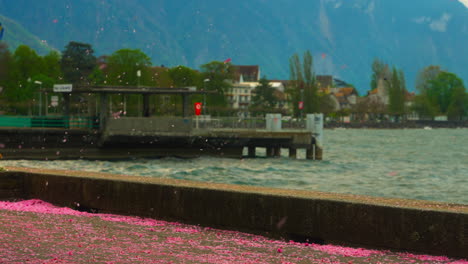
(441, 93)
(124, 66)
(302, 84)
(216, 75)
(327, 105)
(425, 76)
(20, 89)
(27, 63)
(396, 93)
(423, 104)
(380, 71)
(51, 63)
(264, 99)
(184, 76)
(424, 108)
(6, 65)
(77, 62)
(447, 91)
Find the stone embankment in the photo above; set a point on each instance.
(305, 216)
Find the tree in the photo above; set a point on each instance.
(264, 98)
(327, 104)
(184, 76)
(77, 62)
(380, 71)
(27, 63)
(426, 75)
(24, 66)
(396, 93)
(124, 65)
(51, 63)
(302, 83)
(423, 107)
(216, 74)
(441, 94)
(6, 64)
(447, 91)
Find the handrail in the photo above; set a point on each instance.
(50, 121)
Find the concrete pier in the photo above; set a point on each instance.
(140, 137)
(372, 222)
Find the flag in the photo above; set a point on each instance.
(227, 61)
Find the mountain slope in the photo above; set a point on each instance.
(343, 35)
(15, 35)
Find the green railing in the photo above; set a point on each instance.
(49, 122)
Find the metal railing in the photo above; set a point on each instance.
(50, 122)
(244, 123)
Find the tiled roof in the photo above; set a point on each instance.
(374, 91)
(347, 91)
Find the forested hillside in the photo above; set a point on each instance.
(343, 36)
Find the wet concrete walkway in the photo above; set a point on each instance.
(37, 232)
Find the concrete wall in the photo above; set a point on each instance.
(139, 126)
(426, 227)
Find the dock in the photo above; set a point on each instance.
(155, 137)
(102, 134)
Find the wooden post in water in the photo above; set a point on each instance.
(270, 152)
(318, 153)
(277, 151)
(251, 152)
(310, 153)
(293, 153)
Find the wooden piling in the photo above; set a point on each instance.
(318, 153)
(277, 152)
(251, 152)
(310, 153)
(270, 152)
(293, 153)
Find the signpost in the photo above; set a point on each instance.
(54, 101)
(198, 109)
(63, 88)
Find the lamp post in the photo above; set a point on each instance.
(40, 96)
(204, 95)
(138, 73)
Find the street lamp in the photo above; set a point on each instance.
(204, 94)
(40, 96)
(138, 73)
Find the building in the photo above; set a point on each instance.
(379, 94)
(343, 97)
(324, 82)
(246, 79)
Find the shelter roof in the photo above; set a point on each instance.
(135, 90)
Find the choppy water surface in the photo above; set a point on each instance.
(417, 164)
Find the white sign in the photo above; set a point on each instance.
(54, 101)
(63, 88)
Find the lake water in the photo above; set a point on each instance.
(412, 163)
